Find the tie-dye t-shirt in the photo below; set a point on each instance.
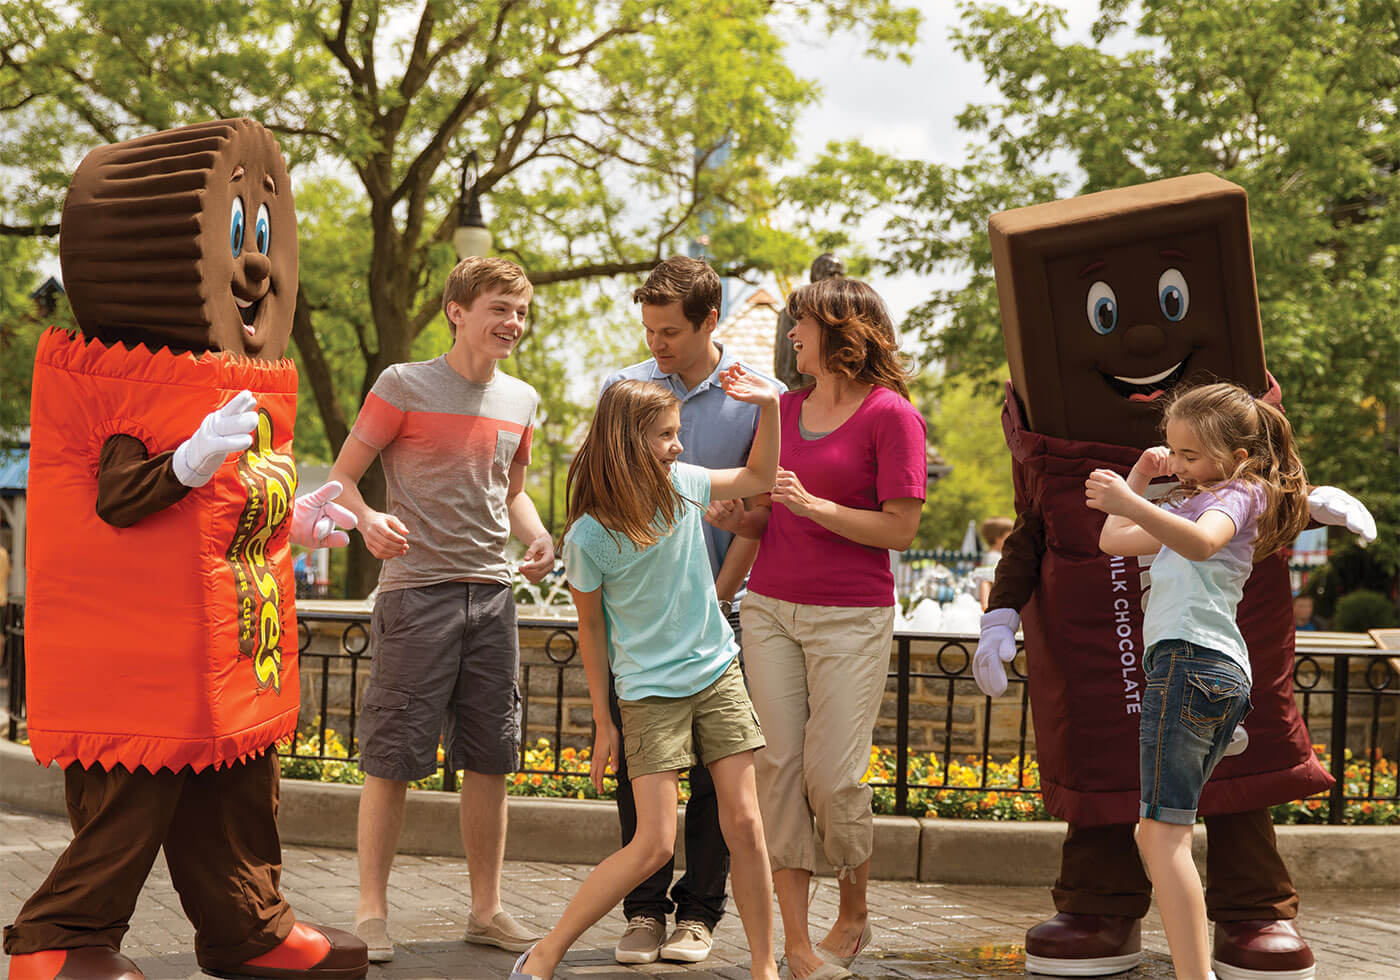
(447, 445)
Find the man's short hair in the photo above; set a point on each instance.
(683, 280)
(484, 273)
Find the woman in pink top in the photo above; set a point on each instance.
(819, 615)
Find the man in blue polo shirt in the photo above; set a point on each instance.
(680, 309)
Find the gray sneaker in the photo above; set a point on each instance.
(690, 943)
(640, 941)
(374, 933)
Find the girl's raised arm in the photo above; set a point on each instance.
(758, 474)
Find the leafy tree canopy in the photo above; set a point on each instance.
(1295, 100)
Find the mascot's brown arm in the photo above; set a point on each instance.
(1019, 569)
(132, 485)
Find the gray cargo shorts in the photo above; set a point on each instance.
(445, 663)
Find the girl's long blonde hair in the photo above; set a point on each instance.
(615, 476)
(1226, 417)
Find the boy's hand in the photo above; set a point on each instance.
(316, 515)
(385, 536)
(539, 558)
(745, 387)
(727, 515)
(1105, 490)
(789, 491)
(607, 750)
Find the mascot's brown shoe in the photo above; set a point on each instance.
(1071, 945)
(308, 953)
(80, 963)
(1261, 949)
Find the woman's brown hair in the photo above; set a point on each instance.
(857, 334)
(615, 476)
(1226, 417)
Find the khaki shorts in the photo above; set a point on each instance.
(668, 734)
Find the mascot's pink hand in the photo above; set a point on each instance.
(315, 516)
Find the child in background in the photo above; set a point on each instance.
(995, 531)
(1243, 493)
(640, 576)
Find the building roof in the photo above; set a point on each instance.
(749, 330)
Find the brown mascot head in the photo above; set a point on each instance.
(1111, 299)
(184, 239)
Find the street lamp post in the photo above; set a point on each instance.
(471, 237)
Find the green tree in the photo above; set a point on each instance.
(1295, 100)
(609, 134)
(964, 422)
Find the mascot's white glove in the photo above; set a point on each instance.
(316, 515)
(1333, 505)
(996, 648)
(224, 431)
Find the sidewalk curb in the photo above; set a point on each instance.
(586, 831)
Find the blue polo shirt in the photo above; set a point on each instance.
(716, 430)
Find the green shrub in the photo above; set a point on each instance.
(1363, 610)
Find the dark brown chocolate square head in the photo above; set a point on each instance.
(184, 239)
(1111, 299)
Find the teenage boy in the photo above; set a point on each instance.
(680, 308)
(454, 435)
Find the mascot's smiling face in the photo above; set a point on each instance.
(184, 239)
(1111, 299)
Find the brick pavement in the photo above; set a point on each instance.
(922, 931)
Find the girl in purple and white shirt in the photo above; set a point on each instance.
(1243, 493)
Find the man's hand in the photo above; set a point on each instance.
(607, 750)
(1105, 490)
(316, 515)
(1333, 505)
(224, 431)
(539, 558)
(996, 648)
(727, 515)
(385, 536)
(789, 491)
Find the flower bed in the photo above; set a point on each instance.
(1012, 793)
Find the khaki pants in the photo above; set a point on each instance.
(817, 676)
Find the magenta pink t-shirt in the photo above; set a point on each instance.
(877, 454)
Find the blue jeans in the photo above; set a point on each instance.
(1194, 698)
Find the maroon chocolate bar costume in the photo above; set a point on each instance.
(1107, 301)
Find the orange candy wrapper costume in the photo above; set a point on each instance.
(170, 643)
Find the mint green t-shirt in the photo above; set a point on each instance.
(666, 637)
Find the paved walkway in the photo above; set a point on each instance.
(922, 931)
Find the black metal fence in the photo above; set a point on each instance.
(1350, 691)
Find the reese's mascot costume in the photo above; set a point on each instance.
(161, 630)
(1108, 301)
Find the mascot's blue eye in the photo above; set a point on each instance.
(1102, 307)
(1173, 296)
(262, 229)
(235, 227)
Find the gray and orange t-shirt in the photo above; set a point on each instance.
(447, 445)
